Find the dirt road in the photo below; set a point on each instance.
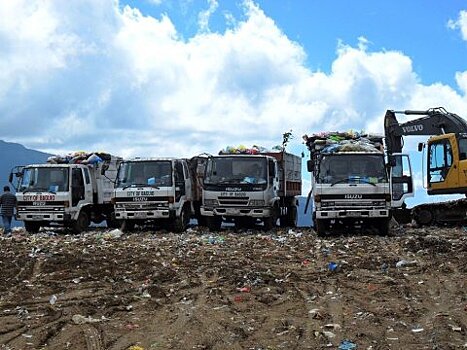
(286, 289)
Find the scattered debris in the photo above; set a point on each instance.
(234, 290)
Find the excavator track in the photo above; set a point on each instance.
(442, 213)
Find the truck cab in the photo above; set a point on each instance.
(151, 190)
(245, 188)
(70, 195)
(353, 183)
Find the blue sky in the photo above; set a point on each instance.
(177, 78)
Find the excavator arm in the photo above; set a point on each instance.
(434, 121)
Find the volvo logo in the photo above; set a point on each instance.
(413, 128)
(353, 196)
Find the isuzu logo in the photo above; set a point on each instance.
(233, 189)
(353, 196)
(413, 128)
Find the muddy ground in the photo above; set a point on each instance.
(286, 289)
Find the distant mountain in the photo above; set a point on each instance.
(12, 154)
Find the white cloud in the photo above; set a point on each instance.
(94, 75)
(460, 23)
(203, 17)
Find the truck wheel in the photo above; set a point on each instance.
(270, 223)
(180, 223)
(244, 222)
(112, 222)
(201, 220)
(291, 217)
(82, 223)
(32, 226)
(320, 227)
(127, 226)
(383, 227)
(213, 223)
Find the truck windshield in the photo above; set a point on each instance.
(44, 179)
(236, 170)
(352, 168)
(157, 173)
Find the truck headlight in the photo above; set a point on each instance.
(210, 202)
(257, 202)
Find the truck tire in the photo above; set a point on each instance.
(320, 227)
(270, 223)
(127, 225)
(291, 217)
(244, 222)
(82, 223)
(180, 223)
(213, 223)
(32, 226)
(112, 222)
(383, 227)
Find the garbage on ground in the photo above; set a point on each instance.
(80, 319)
(402, 263)
(333, 266)
(347, 345)
(231, 295)
(53, 299)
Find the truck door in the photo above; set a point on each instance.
(401, 179)
(188, 181)
(179, 181)
(77, 186)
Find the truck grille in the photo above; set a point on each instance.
(240, 201)
(140, 206)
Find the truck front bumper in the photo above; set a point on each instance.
(43, 216)
(250, 212)
(352, 214)
(143, 215)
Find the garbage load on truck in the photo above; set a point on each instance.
(248, 186)
(72, 190)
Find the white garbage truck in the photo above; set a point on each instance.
(70, 191)
(156, 190)
(250, 188)
(353, 184)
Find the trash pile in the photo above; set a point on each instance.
(282, 289)
(80, 157)
(351, 141)
(241, 149)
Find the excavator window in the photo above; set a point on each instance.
(462, 149)
(440, 161)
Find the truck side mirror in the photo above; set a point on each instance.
(421, 145)
(10, 178)
(309, 165)
(104, 168)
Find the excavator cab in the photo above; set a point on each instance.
(447, 164)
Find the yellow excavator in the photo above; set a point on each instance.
(446, 160)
